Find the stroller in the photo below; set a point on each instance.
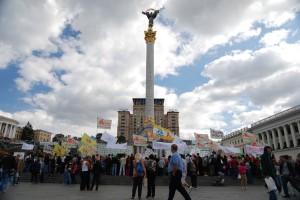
(220, 181)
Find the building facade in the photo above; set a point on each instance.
(8, 127)
(42, 136)
(280, 131)
(129, 124)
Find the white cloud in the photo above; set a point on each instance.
(274, 37)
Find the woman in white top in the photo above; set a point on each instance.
(184, 173)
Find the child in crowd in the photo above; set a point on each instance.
(243, 171)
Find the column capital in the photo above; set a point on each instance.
(150, 35)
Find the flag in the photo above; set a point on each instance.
(201, 137)
(116, 146)
(201, 145)
(87, 151)
(139, 140)
(248, 138)
(88, 141)
(108, 138)
(58, 150)
(104, 123)
(163, 133)
(216, 134)
(26, 146)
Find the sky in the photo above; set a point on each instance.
(222, 64)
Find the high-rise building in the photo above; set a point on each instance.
(129, 124)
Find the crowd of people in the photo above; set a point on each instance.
(285, 172)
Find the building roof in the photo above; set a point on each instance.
(39, 130)
(6, 119)
(277, 116)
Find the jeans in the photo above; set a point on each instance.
(278, 182)
(85, 180)
(249, 176)
(151, 175)
(114, 169)
(137, 183)
(73, 179)
(15, 178)
(95, 180)
(67, 178)
(273, 195)
(194, 181)
(4, 180)
(234, 173)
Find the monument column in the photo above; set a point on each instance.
(280, 138)
(293, 134)
(274, 139)
(286, 137)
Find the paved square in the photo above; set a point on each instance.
(28, 191)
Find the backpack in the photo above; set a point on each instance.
(139, 168)
(151, 166)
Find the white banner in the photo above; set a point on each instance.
(108, 138)
(254, 150)
(216, 134)
(167, 146)
(116, 146)
(48, 149)
(177, 140)
(27, 146)
(231, 150)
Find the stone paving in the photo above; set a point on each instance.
(28, 191)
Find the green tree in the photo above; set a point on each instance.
(121, 139)
(58, 137)
(27, 133)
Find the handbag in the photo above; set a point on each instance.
(270, 184)
(145, 182)
(239, 176)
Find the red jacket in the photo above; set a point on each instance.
(242, 169)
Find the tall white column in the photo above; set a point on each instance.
(263, 137)
(0, 127)
(274, 139)
(11, 131)
(280, 138)
(293, 134)
(268, 138)
(298, 124)
(6, 130)
(14, 132)
(286, 137)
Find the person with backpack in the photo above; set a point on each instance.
(151, 175)
(139, 172)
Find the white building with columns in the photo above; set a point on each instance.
(8, 127)
(280, 131)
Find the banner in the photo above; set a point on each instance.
(27, 146)
(177, 140)
(104, 123)
(163, 133)
(48, 149)
(108, 138)
(116, 146)
(88, 141)
(167, 146)
(58, 150)
(71, 141)
(212, 145)
(201, 145)
(229, 150)
(203, 138)
(85, 150)
(216, 134)
(139, 140)
(248, 138)
(254, 150)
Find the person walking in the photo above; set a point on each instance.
(85, 174)
(139, 172)
(193, 171)
(268, 169)
(151, 176)
(175, 171)
(243, 173)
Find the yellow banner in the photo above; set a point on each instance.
(59, 150)
(85, 150)
(163, 133)
(88, 141)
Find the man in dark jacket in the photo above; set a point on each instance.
(97, 169)
(8, 164)
(288, 173)
(268, 168)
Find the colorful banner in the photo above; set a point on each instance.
(139, 140)
(167, 146)
(71, 141)
(212, 145)
(248, 138)
(88, 141)
(201, 145)
(26, 146)
(216, 134)
(163, 133)
(254, 150)
(108, 138)
(203, 138)
(59, 150)
(116, 146)
(104, 123)
(87, 151)
(48, 149)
